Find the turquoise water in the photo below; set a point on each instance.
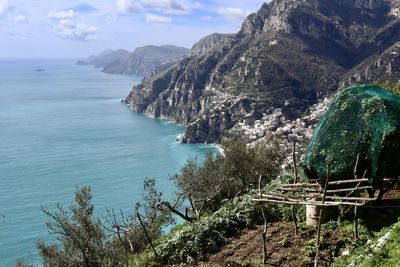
(63, 127)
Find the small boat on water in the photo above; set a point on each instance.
(39, 69)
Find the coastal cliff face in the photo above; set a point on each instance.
(148, 60)
(105, 58)
(144, 61)
(287, 57)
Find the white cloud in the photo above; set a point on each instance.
(233, 13)
(110, 17)
(206, 18)
(75, 31)
(64, 23)
(11, 14)
(164, 6)
(4, 29)
(63, 14)
(20, 18)
(4, 6)
(128, 6)
(155, 19)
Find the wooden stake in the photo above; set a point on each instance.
(316, 260)
(356, 167)
(296, 231)
(264, 233)
(355, 223)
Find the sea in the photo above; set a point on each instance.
(62, 126)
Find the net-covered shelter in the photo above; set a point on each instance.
(362, 124)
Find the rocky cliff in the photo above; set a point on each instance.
(207, 43)
(286, 57)
(105, 58)
(144, 61)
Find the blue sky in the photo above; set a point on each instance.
(78, 28)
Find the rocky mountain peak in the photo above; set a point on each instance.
(309, 16)
(207, 43)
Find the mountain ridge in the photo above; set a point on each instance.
(288, 56)
(143, 61)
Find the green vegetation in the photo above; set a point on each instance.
(370, 255)
(82, 239)
(209, 233)
(284, 242)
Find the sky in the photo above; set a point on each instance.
(79, 28)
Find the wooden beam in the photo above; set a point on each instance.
(315, 203)
(313, 196)
(297, 190)
(350, 181)
(299, 185)
(349, 189)
(351, 198)
(353, 181)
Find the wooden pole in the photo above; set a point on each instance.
(316, 260)
(355, 223)
(296, 231)
(356, 167)
(264, 233)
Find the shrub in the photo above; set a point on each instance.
(208, 234)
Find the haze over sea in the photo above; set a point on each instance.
(63, 127)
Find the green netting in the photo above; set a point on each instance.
(365, 120)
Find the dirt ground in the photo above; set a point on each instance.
(283, 247)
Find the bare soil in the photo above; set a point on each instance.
(283, 247)
(286, 249)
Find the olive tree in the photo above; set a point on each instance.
(82, 241)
